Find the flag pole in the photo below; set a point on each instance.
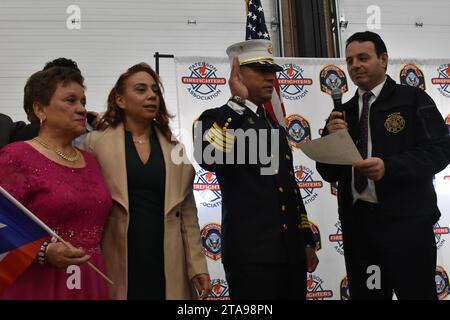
(46, 228)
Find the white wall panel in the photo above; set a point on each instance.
(113, 36)
(398, 17)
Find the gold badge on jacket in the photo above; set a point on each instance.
(395, 122)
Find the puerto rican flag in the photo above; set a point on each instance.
(21, 237)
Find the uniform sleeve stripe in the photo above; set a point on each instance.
(224, 135)
(218, 138)
(305, 225)
(304, 222)
(216, 145)
(224, 132)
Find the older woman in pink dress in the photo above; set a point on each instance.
(61, 185)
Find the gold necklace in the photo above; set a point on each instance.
(63, 155)
(140, 141)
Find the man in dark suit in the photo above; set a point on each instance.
(6, 125)
(16, 131)
(267, 243)
(387, 203)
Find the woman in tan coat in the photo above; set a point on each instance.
(151, 241)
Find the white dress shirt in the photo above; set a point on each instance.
(369, 193)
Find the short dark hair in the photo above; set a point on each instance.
(62, 62)
(380, 46)
(41, 86)
(59, 62)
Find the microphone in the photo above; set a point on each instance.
(336, 94)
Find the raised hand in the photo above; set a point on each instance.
(237, 87)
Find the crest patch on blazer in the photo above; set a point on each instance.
(395, 122)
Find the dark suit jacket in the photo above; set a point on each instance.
(411, 155)
(16, 131)
(6, 126)
(23, 132)
(263, 216)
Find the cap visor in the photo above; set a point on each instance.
(265, 65)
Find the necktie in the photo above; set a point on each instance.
(262, 114)
(360, 179)
(260, 111)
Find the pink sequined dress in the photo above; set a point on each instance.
(72, 202)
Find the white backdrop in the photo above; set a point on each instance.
(304, 86)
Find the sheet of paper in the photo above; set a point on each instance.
(335, 148)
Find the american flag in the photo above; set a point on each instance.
(256, 29)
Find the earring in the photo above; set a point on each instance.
(41, 121)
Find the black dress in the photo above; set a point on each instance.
(146, 185)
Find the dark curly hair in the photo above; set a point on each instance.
(115, 115)
(41, 86)
(62, 62)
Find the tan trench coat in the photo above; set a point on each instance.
(183, 255)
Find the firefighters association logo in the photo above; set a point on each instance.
(337, 239)
(443, 80)
(316, 235)
(293, 85)
(207, 189)
(332, 77)
(345, 293)
(305, 179)
(442, 285)
(204, 84)
(219, 290)
(212, 241)
(412, 76)
(439, 233)
(298, 130)
(315, 289)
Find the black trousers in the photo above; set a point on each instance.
(266, 281)
(402, 248)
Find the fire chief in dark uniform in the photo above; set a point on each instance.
(387, 203)
(267, 243)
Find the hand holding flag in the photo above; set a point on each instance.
(21, 236)
(63, 255)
